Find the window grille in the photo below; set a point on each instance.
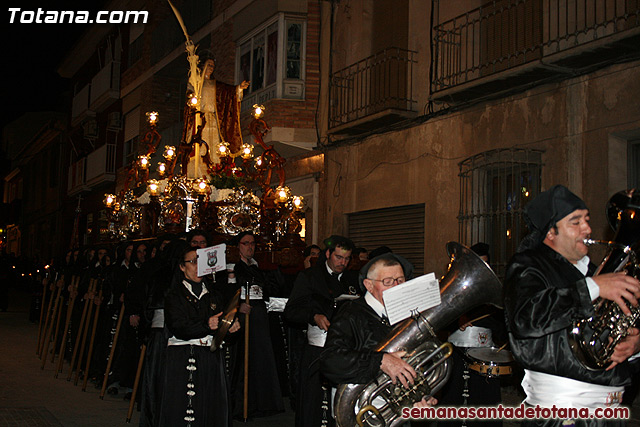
(494, 188)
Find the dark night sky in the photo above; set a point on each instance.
(31, 55)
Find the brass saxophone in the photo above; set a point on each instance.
(592, 340)
(469, 282)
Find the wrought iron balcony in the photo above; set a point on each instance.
(372, 92)
(513, 43)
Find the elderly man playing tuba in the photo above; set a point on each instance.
(361, 324)
(547, 288)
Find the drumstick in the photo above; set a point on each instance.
(470, 322)
(500, 349)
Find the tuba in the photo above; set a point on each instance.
(592, 340)
(469, 282)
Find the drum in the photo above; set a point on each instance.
(490, 361)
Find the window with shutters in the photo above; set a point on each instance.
(401, 228)
(494, 188)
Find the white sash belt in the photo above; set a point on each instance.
(547, 390)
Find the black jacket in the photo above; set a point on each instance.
(348, 355)
(544, 293)
(314, 292)
(186, 317)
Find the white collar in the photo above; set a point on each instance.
(375, 304)
(326, 263)
(251, 262)
(190, 289)
(583, 265)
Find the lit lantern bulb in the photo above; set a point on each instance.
(162, 168)
(297, 202)
(109, 200)
(152, 117)
(247, 151)
(201, 186)
(223, 149)
(193, 99)
(143, 161)
(169, 152)
(258, 111)
(259, 162)
(153, 187)
(282, 194)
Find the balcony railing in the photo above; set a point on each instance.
(77, 177)
(375, 84)
(504, 34)
(80, 105)
(105, 86)
(101, 165)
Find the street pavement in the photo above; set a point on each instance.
(31, 396)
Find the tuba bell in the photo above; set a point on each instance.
(469, 282)
(592, 340)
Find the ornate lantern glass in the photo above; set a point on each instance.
(143, 162)
(152, 117)
(282, 194)
(169, 152)
(154, 187)
(258, 111)
(109, 200)
(247, 151)
(223, 149)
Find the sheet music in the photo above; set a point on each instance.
(411, 297)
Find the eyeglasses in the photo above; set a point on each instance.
(248, 243)
(192, 261)
(389, 281)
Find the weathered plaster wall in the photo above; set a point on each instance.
(571, 121)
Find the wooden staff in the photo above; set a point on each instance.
(76, 344)
(112, 352)
(47, 338)
(91, 341)
(55, 335)
(73, 290)
(85, 332)
(245, 403)
(46, 317)
(143, 350)
(45, 282)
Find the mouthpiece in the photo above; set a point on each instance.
(589, 242)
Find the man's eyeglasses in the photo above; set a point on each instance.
(248, 243)
(389, 281)
(192, 261)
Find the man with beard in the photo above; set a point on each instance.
(313, 303)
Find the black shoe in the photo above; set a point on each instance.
(112, 390)
(128, 396)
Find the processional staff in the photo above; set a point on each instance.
(85, 332)
(98, 303)
(73, 292)
(76, 343)
(47, 339)
(112, 352)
